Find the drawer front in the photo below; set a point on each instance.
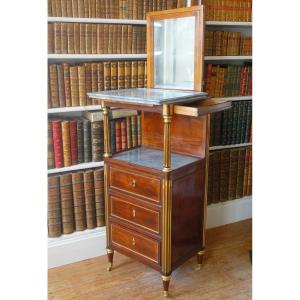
(135, 243)
(134, 183)
(134, 213)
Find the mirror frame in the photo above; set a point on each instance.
(198, 13)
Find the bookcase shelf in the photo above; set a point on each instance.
(85, 57)
(228, 23)
(76, 167)
(73, 108)
(96, 20)
(228, 57)
(236, 98)
(229, 146)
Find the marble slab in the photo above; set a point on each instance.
(147, 96)
(152, 158)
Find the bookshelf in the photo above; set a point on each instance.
(242, 58)
(229, 146)
(228, 24)
(73, 109)
(93, 57)
(237, 98)
(96, 21)
(77, 167)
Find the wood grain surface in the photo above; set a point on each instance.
(226, 273)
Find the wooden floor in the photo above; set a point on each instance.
(225, 274)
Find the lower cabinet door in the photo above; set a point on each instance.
(135, 243)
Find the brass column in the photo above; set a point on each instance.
(167, 116)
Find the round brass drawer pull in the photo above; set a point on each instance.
(132, 183)
(133, 242)
(133, 212)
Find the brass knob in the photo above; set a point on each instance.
(133, 242)
(133, 212)
(132, 183)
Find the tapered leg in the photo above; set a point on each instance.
(110, 256)
(166, 282)
(200, 256)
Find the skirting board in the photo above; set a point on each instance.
(91, 243)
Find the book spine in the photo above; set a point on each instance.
(107, 76)
(89, 196)
(118, 136)
(100, 75)
(80, 153)
(112, 136)
(99, 197)
(74, 85)
(65, 128)
(94, 38)
(57, 144)
(217, 128)
(134, 39)
(86, 8)
(127, 74)
(128, 132)
(53, 82)
(105, 38)
(66, 81)
(248, 122)
(233, 170)
(73, 138)
(94, 68)
(210, 178)
(124, 38)
(212, 130)
(75, 8)
(58, 8)
(70, 39)
(224, 175)
(88, 81)
(50, 147)
(50, 38)
(133, 131)
(61, 87)
(87, 141)
(100, 37)
(76, 38)
(123, 135)
(216, 177)
(249, 179)
(121, 75)
(240, 173)
(88, 38)
(64, 38)
(81, 84)
(97, 140)
(134, 74)
(69, 8)
(129, 41)
(114, 75)
(139, 135)
(141, 71)
(110, 39)
(82, 38)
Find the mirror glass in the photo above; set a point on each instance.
(174, 53)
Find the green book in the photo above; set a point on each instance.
(234, 122)
(97, 140)
(139, 136)
(248, 122)
(217, 128)
(80, 155)
(237, 139)
(87, 150)
(225, 115)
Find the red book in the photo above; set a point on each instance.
(250, 85)
(118, 136)
(57, 144)
(123, 135)
(73, 138)
(243, 81)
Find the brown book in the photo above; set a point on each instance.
(140, 10)
(233, 170)
(97, 140)
(99, 196)
(105, 38)
(88, 81)
(65, 129)
(79, 201)
(94, 38)
(92, 12)
(75, 8)
(103, 8)
(110, 38)
(89, 196)
(240, 173)
(100, 37)
(53, 82)
(216, 177)
(86, 8)
(134, 74)
(61, 86)
(76, 38)
(134, 9)
(121, 75)
(67, 84)
(123, 135)
(107, 76)
(100, 72)
(70, 34)
(53, 7)
(139, 40)
(50, 147)
(124, 38)
(114, 38)
(64, 38)
(210, 178)
(58, 8)
(64, 8)
(249, 177)
(130, 16)
(127, 74)
(54, 207)
(81, 84)
(119, 39)
(141, 71)
(57, 38)
(224, 175)
(114, 75)
(133, 131)
(66, 194)
(246, 171)
(98, 8)
(94, 67)
(139, 130)
(74, 85)
(50, 38)
(118, 135)
(88, 38)
(69, 9)
(82, 36)
(134, 39)
(128, 132)
(145, 75)
(129, 41)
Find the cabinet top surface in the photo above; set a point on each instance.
(152, 158)
(148, 96)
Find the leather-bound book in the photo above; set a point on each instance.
(86, 8)
(74, 85)
(210, 178)
(249, 179)
(216, 177)
(80, 154)
(70, 34)
(180, 3)
(64, 8)
(64, 38)
(98, 8)
(65, 129)
(103, 8)
(77, 38)
(88, 81)
(92, 9)
(145, 75)
(54, 207)
(73, 140)
(100, 75)
(110, 38)
(81, 8)
(248, 121)
(107, 75)
(75, 8)
(114, 75)
(119, 39)
(50, 147)
(112, 136)
(82, 37)
(240, 173)
(134, 9)
(139, 131)
(141, 71)
(50, 38)
(58, 8)
(134, 39)
(53, 8)
(118, 135)
(128, 132)
(94, 68)
(88, 38)
(105, 38)
(57, 38)
(224, 175)
(121, 75)
(134, 131)
(124, 38)
(87, 153)
(134, 74)
(97, 140)
(139, 42)
(217, 128)
(66, 81)
(140, 9)
(100, 37)
(127, 74)
(241, 116)
(61, 86)
(53, 82)
(233, 170)
(123, 135)
(122, 3)
(99, 196)
(79, 201)
(57, 143)
(130, 4)
(69, 8)
(145, 8)
(66, 194)
(94, 38)
(129, 41)
(89, 196)
(82, 86)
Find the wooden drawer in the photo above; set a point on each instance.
(135, 183)
(135, 243)
(142, 216)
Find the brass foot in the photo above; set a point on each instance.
(166, 294)
(198, 267)
(109, 267)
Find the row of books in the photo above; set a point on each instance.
(75, 38)
(228, 10)
(227, 43)
(229, 174)
(69, 83)
(228, 80)
(112, 9)
(232, 126)
(75, 202)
